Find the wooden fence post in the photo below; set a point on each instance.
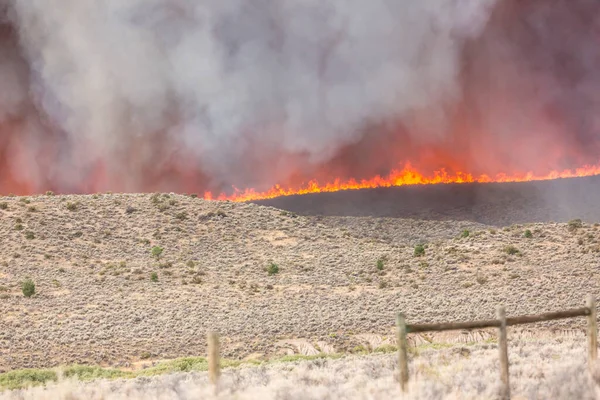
(503, 346)
(213, 359)
(592, 332)
(402, 356)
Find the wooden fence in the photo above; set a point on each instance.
(501, 323)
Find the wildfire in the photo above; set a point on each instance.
(406, 176)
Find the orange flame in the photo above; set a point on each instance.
(407, 176)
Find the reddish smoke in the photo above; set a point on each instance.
(528, 102)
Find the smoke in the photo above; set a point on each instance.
(188, 95)
(132, 90)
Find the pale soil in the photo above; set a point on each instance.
(543, 369)
(96, 303)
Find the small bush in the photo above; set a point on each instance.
(130, 210)
(28, 287)
(386, 348)
(181, 216)
(511, 250)
(419, 250)
(19, 227)
(273, 269)
(49, 193)
(29, 235)
(465, 234)
(380, 264)
(574, 224)
(4, 206)
(528, 234)
(157, 251)
(72, 206)
(154, 277)
(155, 198)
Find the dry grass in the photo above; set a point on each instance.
(548, 369)
(96, 303)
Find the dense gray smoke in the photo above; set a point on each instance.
(190, 95)
(140, 84)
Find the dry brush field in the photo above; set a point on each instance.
(548, 369)
(271, 282)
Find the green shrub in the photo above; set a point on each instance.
(154, 277)
(574, 224)
(465, 234)
(419, 250)
(273, 269)
(29, 235)
(380, 264)
(28, 287)
(157, 251)
(511, 250)
(3, 205)
(27, 377)
(72, 206)
(528, 234)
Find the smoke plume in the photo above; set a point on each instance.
(186, 95)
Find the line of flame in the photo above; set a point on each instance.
(406, 176)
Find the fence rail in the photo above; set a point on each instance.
(501, 323)
(492, 323)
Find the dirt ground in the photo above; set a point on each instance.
(339, 283)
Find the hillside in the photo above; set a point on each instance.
(340, 281)
(497, 204)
